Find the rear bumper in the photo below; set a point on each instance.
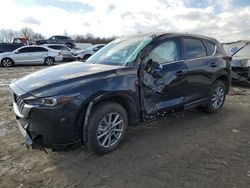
(58, 58)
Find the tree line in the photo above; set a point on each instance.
(6, 35)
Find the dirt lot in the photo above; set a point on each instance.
(187, 149)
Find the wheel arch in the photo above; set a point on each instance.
(126, 100)
(7, 58)
(49, 57)
(225, 79)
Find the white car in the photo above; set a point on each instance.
(27, 55)
(85, 54)
(67, 53)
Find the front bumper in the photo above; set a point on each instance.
(45, 128)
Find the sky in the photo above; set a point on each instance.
(226, 20)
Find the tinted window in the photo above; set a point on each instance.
(26, 50)
(65, 48)
(61, 38)
(209, 46)
(168, 51)
(193, 48)
(32, 49)
(39, 49)
(56, 47)
(99, 47)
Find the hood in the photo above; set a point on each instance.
(59, 76)
(5, 54)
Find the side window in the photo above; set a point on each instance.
(26, 50)
(210, 47)
(168, 51)
(40, 49)
(55, 47)
(65, 48)
(99, 47)
(193, 48)
(52, 38)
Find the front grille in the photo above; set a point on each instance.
(19, 102)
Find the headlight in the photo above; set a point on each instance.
(245, 63)
(51, 101)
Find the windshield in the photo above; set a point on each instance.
(121, 52)
(244, 52)
(90, 47)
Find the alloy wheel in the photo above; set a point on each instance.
(110, 130)
(7, 63)
(218, 97)
(49, 61)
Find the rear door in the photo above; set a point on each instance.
(165, 89)
(200, 62)
(39, 54)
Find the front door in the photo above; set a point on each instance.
(163, 77)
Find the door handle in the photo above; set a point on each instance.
(180, 73)
(213, 65)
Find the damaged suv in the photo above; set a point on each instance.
(131, 80)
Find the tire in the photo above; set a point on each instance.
(86, 57)
(109, 136)
(7, 62)
(216, 98)
(49, 61)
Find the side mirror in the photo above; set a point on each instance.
(154, 68)
(16, 52)
(95, 49)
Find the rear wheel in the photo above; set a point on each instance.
(49, 61)
(7, 62)
(216, 98)
(107, 127)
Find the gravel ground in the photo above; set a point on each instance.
(187, 149)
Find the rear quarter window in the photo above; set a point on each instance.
(210, 47)
(193, 48)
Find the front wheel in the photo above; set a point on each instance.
(216, 98)
(49, 61)
(107, 127)
(7, 62)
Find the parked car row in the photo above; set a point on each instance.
(46, 53)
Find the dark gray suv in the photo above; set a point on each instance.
(131, 80)
(58, 40)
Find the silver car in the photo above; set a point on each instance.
(30, 55)
(67, 53)
(85, 54)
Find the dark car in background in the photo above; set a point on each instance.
(131, 80)
(9, 47)
(58, 40)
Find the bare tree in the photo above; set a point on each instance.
(6, 35)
